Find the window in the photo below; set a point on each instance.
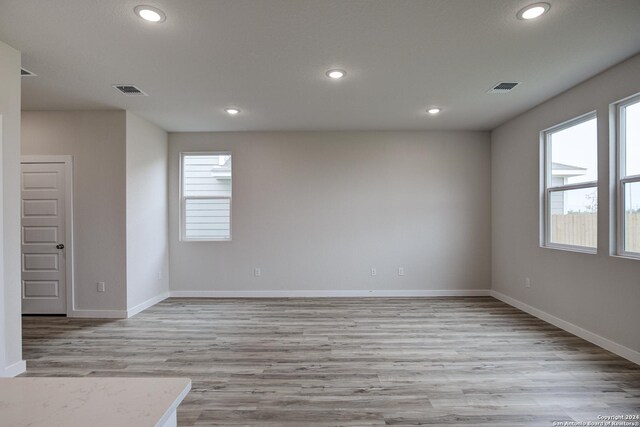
(628, 183)
(570, 199)
(205, 196)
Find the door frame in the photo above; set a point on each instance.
(68, 219)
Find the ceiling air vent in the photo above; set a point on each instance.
(26, 73)
(503, 87)
(130, 90)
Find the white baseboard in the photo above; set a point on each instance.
(14, 369)
(99, 314)
(332, 294)
(146, 304)
(593, 338)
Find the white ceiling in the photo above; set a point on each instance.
(269, 58)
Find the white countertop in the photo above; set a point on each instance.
(97, 402)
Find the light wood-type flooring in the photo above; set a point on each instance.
(347, 362)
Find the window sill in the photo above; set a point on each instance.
(627, 255)
(203, 240)
(569, 248)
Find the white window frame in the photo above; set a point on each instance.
(621, 176)
(183, 198)
(547, 189)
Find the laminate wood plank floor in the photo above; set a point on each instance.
(347, 362)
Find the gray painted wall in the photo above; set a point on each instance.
(147, 211)
(599, 293)
(317, 210)
(96, 140)
(10, 283)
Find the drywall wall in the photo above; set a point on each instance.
(599, 293)
(96, 140)
(10, 303)
(315, 211)
(147, 213)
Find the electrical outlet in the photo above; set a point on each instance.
(257, 272)
(159, 275)
(101, 287)
(400, 271)
(527, 282)
(374, 272)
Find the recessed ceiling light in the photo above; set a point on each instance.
(533, 11)
(434, 110)
(232, 111)
(336, 74)
(150, 13)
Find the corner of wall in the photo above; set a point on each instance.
(147, 228)
(11, 362)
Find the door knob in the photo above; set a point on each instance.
(59, 246)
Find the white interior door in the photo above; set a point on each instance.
(43, 238)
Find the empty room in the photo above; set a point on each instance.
(319, 213)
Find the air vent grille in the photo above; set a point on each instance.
(26, 73)
(503, 87)
(130, 90)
